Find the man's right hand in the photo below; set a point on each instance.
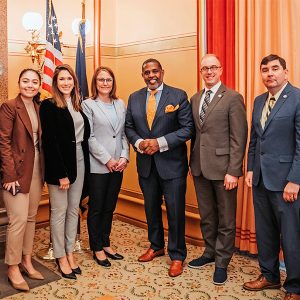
(143, 145)
(249, 178)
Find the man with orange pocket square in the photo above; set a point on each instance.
(158, 123)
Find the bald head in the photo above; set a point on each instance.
(211, 70)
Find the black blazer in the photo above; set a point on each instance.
(59, 144)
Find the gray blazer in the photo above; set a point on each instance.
(105, 142)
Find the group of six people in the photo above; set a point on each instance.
(81, 148)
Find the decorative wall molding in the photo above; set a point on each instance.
(167, 44)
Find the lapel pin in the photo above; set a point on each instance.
(284, 96)
(220, 95)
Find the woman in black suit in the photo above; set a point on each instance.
(65, 142)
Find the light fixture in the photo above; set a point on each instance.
(75, 26)
(33, 22)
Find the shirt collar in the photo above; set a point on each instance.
(160, 88)
(277, 95)
(214, 88)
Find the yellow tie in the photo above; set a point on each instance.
(151, 109)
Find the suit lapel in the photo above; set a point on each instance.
(99, 105)
(22, 112)
(141, 99)
(196, 105)
(281, 100)
(216, 99)
(36, 106)
(162, 103)
(119, 112)
(259, 109)
(65, 113)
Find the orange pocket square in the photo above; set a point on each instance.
(170, 108)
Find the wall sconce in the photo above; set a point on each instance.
(33, 22)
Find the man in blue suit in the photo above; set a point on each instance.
(274, 173)
(158, 123)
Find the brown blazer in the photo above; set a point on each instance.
(218, 147)
(16, 143)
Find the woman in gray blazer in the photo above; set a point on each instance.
(109, 154)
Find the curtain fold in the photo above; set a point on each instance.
(220, 24)
(241, 33)
(263, 27)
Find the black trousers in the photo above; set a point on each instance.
(277, 222)
(173, 190)
(104, 191)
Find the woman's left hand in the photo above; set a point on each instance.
(122, 164)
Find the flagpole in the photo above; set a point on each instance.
(78, 247)
(83, 9)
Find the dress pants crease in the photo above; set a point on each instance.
(217, 208)
(21, 211)
(104, 191)
(173, 190)
(64, 210)
(274, 219)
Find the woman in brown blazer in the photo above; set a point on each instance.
(21, 175)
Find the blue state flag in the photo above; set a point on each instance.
(80, 62)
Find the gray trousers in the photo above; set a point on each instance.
(217, 209)
(64, 210)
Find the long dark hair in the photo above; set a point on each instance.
(36, 98)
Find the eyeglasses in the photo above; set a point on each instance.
(107, 80)
(212, 68)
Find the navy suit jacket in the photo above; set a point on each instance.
(275, 151)
(177, 127)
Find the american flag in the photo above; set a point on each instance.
(53, 54)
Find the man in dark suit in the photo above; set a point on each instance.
(158, 123)
(217, 154)
(274, 174)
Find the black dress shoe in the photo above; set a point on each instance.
(71, 275)
(104, 263)
(115, 256)
(77, 271)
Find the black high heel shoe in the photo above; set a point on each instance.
(115, 256)
(77, 271)
(71, 275)
(104, 263)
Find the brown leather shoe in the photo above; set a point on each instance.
(176, 268)
(150, 254)
(289, 296)
(261, 283)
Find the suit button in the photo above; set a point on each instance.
(114, 136)
(23, 150)
(262, 139)
(262, 153)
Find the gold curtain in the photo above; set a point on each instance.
(262, 27)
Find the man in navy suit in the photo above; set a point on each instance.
(274, 174)
(161, 159)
